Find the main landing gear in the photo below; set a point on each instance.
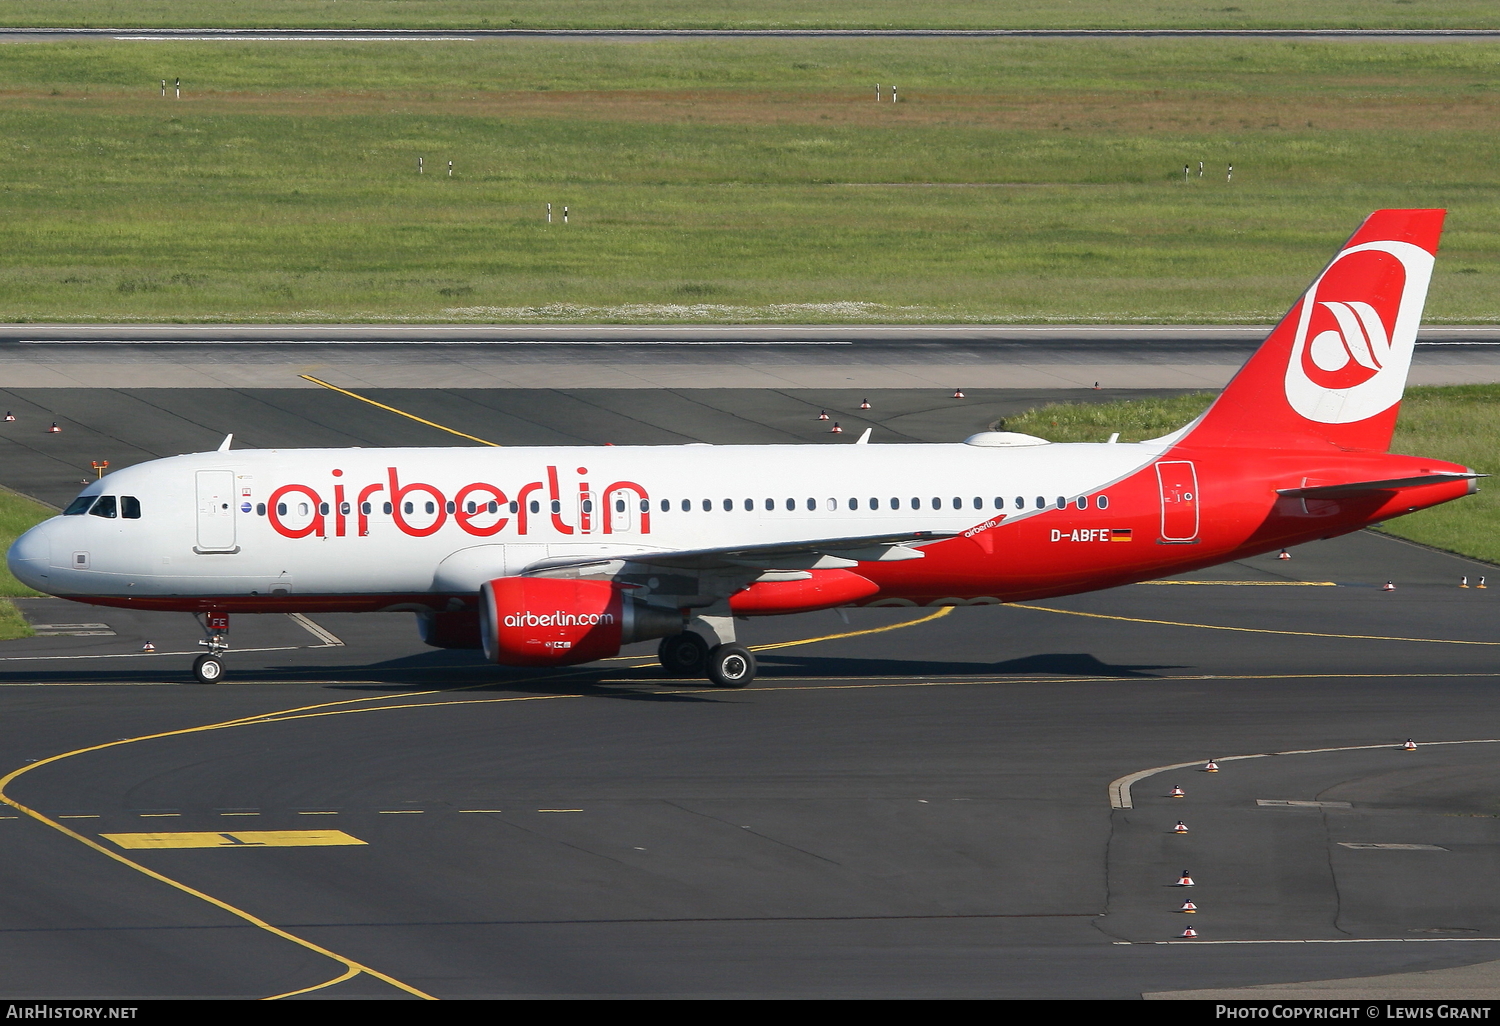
(209, 667)
(689, 655)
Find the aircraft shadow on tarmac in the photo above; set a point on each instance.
(444, 669)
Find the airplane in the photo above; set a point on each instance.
(559, 555)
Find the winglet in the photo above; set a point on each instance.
(224, 445)
(864, 439)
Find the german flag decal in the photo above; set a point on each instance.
(1119, 534)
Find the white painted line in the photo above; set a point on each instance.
(328, 640)
(1391, 847)
(428, 342)
(1341, 940)
(1119, 788)
(145, 655)
(1280, 803)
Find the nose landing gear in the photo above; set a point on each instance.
(209, 667)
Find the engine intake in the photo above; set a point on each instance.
(545, 621)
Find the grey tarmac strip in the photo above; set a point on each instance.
(674, 356)
(382, 35)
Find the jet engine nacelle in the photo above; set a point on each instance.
(545, 621)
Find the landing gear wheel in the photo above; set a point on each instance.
(209, 669)
(731, 666)
(683, 655)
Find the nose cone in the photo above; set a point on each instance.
(30, 557)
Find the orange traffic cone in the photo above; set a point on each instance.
(1188, 907)
(864, 404)
(1284, 555)
(1463, 582)
(148, 647)
(1410, 746)
(1185, 881)
(1481, 583)
(822, 414)
(1189, 933)
(835, 430)
(1212, 767)
(1180, 828)
(1177, 792)
(958, 393)
(1389, 586)
(9, 417)
(54, 429)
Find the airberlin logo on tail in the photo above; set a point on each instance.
(1355, 332)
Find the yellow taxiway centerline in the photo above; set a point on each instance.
(392, 409)
(352, 968)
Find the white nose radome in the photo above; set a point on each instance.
(29, 558)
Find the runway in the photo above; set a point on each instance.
(674, 356)
(912, 803)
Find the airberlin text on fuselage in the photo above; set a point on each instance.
(344, 510)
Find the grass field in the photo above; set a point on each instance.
(1460, 424)
(730, 180)
(496, 14)
(17, 513)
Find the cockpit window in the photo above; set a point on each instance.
(79, 506)
(105, 507)
(130, 507)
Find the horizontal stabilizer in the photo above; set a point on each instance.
(1360, 487)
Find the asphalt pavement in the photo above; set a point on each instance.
(907, 803)
(919, 812)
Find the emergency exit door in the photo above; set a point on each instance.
(1179, 501)
(216, 511)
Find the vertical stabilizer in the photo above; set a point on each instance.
(1332, 372)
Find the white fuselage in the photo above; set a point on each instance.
(397, 522)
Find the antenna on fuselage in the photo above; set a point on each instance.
(224, 446)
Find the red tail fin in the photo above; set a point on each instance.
(1332, 372)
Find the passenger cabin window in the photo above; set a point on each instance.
(130, 507)
(79, 506)
(105, 507)
(1102, 502)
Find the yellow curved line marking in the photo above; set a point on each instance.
(354, 968)
(944, 611)
(348, 974)
(392, 409)
(808, 641)
(1248, 630)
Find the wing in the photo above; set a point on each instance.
(819, 554)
